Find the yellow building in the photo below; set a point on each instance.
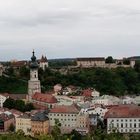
(40, 124)
(23, 122)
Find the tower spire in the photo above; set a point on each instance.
(33, 83)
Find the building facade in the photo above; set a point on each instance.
(6, 120)
(91, 62)
(66, 115)
(40, 124)
(123, 119)
(23, 122)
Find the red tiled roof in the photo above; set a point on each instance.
(87, 93)
(48, 98)
(14, 111)
(41, 107)
(19, 63)
(4, 94)
(123, 111)
(65, 109)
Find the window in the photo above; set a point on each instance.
(134, 125)
(121, 124)
(126, 125)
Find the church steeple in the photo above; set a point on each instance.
(33, 58)
(33, 84)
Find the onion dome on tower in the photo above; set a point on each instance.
(33, 64)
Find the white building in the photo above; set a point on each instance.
(3, 98)
(23, 122)
(137, 100)
(123, 119)
(106, 100)
(127, 100)
(64, 100)
(67, 116)
(96, 110)
(95, 93)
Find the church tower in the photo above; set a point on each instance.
(33, 83)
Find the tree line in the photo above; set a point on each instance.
(119, 81)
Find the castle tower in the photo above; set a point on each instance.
(33, 83)
(43, 62)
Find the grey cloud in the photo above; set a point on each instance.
(69, 28)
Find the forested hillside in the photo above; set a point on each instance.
(117, 82)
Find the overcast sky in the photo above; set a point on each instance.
(69, 28)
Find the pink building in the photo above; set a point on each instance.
(5, 121)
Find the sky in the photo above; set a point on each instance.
(69, 28)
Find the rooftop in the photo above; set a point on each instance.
(6, 117)
(48, 98)
(41, 116)
(124, 111)
(25, 116)
(65, 109)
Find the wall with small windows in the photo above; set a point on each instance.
(67, 120)
(123, 125)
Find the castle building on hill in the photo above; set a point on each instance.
(43, 62)
(33, 84)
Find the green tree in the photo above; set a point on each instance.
(24, 72)
(56, 132)
(9, 103)
(126, 62)
(109, 59)
(29, 107)
(137, 66)
(76, 135)
(20, 105)
(11, 127)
